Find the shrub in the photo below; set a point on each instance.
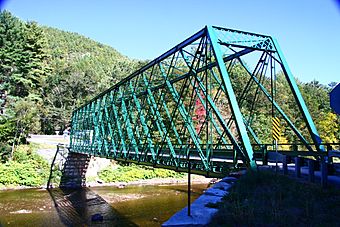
(134, 172)
(27, 168)
(5, 152)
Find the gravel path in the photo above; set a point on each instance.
(49, 141)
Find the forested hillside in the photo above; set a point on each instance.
(81, 68)
(45, 73)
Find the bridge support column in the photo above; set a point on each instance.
(265, 156)
(324, 172)
(311, 176)
(297, 166)
(73, 174)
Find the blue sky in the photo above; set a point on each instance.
(308, 31)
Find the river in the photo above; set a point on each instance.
(129, 206)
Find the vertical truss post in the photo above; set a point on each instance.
(97, 119)
(277, 107)
(129, 130)
(74, 121)
(207, 96)
(172, 124)
(257, 140)
(298, 97)
(135, 127)
(103, 134)
(173, 127)
(94, 122)
(159, 121)
(187, 119)
(118, 126)
(109, 125)
(83, 115)
(231, 96)
(143, 122)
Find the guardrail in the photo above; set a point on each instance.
(293, 153)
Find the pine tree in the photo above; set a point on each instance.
(11, 46)
(34, 64)
(23, 69)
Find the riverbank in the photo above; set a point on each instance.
(30, 167)
(267, 199)
(195, 179)
(203, 209)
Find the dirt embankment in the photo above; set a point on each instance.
(195, 179)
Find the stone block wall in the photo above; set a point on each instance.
(75, 167)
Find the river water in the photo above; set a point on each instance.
(129, 206)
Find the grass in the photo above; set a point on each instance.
(266, 199)
(132, 172)
(61, 140)
(39, 146)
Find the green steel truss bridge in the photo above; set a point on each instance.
(184, 106)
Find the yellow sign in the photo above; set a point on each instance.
(276, 128)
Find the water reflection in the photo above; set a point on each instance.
(76, 207)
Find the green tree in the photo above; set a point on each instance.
(23, 70)
(11, 47)
(329, 128)
(81, 68)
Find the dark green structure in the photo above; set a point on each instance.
(182, 107)
(335, 99)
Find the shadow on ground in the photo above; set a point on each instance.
(77, 207)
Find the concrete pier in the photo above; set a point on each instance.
(202, 211)
(73, 174)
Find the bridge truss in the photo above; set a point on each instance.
(185, 106)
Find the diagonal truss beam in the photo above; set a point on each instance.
(154, 116)
(298, 97)
(232, 98)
